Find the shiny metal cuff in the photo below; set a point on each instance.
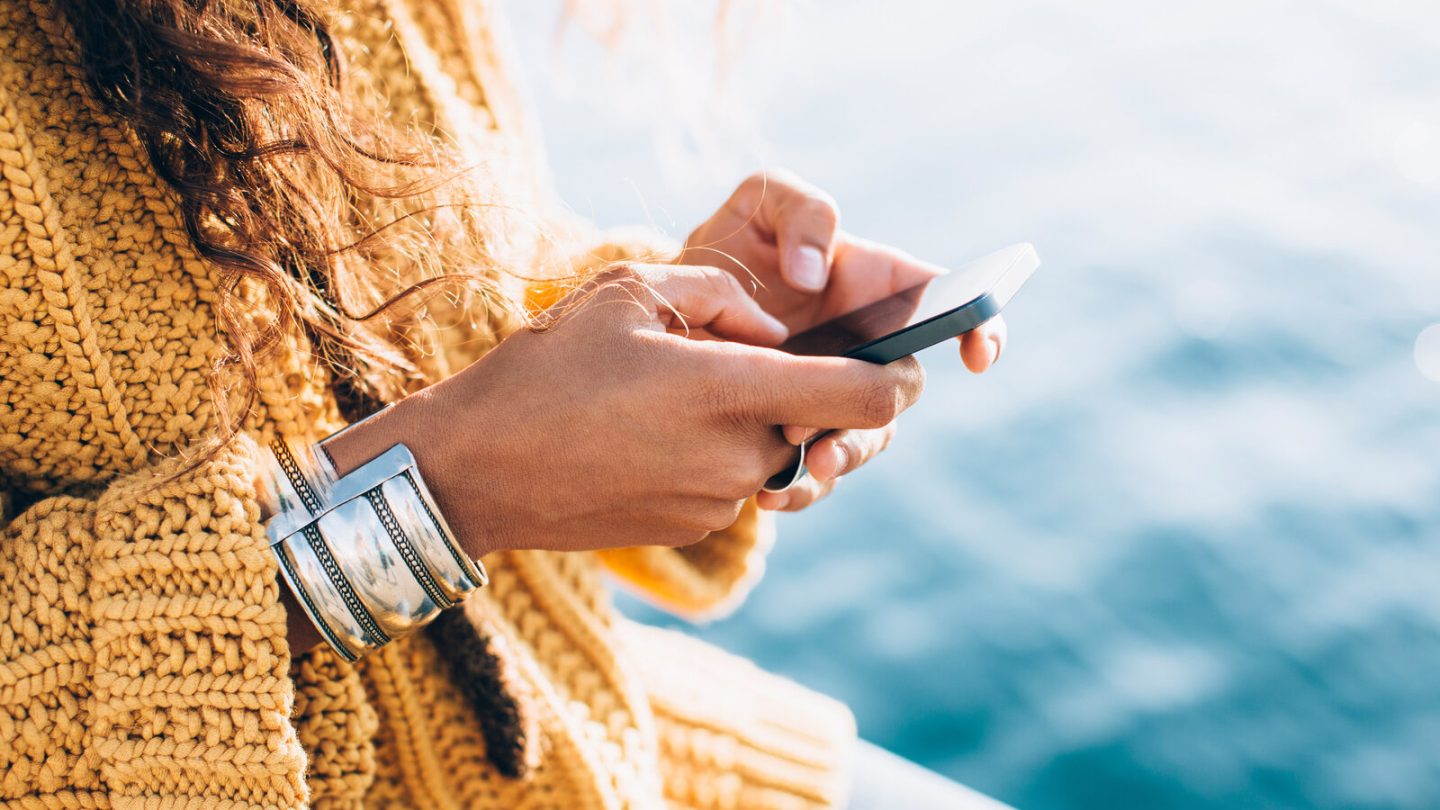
(294, 478)
(375, 560)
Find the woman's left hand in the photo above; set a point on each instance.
(781, 237)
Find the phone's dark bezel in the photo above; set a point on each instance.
(937, 329)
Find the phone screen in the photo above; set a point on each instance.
(837, 336)
(965, 298)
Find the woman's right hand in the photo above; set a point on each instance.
(613, 428)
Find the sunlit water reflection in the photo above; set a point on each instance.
(1180, 549)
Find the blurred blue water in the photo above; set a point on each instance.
(1180, 549)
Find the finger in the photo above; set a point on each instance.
(803, 219)
(805, 224)
(845, 451)
(866, 271)
(772, 501)
(982, 346)
(796, 435)
(786, 389)
(805, 492)
(687, 297)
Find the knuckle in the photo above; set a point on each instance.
(620, 272)
(811, 209)
(912, 379)
(752, 190)
(784, 177)
(775, 179)
(723, 284)
(618, 281)
(742, 485)
(918, 377)
(721, 515)
(806, 194)
(746, 197)
(759, 473)
(823, 208)
(743, 475)
(879, 405)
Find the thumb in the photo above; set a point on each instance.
(693, 297)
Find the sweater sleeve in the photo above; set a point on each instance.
(705, 580)
(708, 578)
(142, 647)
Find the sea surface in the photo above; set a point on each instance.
(1181, 548)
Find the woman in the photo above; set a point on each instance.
(242, 221)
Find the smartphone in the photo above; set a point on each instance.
(904, 323)
(924, 315)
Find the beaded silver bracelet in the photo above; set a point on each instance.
(368, 554)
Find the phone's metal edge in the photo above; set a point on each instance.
(927, 333)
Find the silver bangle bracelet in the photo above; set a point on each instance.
(374, 559)
(294, 479)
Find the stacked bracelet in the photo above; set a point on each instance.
(296, 479)
(367, 554)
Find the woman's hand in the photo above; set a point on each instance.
(612, 428)
(781, 236)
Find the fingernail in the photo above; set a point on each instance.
(995, 347)
(844, 464)
(808, 434)
(807, 268)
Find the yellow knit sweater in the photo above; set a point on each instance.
(143, 660)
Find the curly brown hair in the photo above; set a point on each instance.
(281, 177)
(283, 185)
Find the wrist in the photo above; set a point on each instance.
(348, 528)
(425, 424)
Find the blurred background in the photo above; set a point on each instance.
(1179, 550)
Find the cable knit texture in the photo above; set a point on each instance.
(143, 660)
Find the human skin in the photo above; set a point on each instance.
(781, 236)
(615, 427)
